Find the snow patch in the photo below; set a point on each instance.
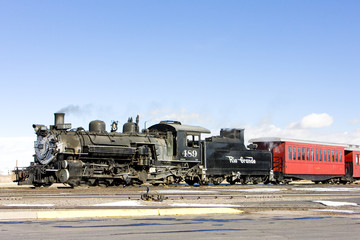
(336, 204)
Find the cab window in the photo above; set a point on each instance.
(193, 140)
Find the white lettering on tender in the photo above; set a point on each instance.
(246, 160)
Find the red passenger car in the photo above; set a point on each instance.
(310, 160)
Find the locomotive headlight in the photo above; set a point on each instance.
(45, 148)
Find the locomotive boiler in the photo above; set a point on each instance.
(165, 153)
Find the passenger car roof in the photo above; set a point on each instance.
(278, 139)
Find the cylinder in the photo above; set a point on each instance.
(59, 118)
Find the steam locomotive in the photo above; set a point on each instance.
(165, 153)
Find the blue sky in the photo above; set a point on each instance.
(285, 68)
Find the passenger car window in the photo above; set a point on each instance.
(312, 154)
(336, 156)
(294, 154)
(320, 151)
(303, 153)
(289, 157)
(308, 154)
(340, 156)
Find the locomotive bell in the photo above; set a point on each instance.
(97, 126)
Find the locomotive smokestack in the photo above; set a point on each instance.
(60, 122)
(59, 119)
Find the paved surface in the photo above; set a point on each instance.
(278, 225)
(252, 212)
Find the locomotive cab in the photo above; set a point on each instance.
(184, 151)
(185, 140)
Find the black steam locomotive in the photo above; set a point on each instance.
(165, 153)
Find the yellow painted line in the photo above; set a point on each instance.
(104, 213)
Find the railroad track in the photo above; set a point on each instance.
(177, 192)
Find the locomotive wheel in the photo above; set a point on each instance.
(266, 180)
(169, 180)
(217, 180)
(278, 182)
(243, 181)
(74, 182)
(203, 183)
(63, 175)
(190, 182)
(230, 181)
(117, 183)
(38, 185)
